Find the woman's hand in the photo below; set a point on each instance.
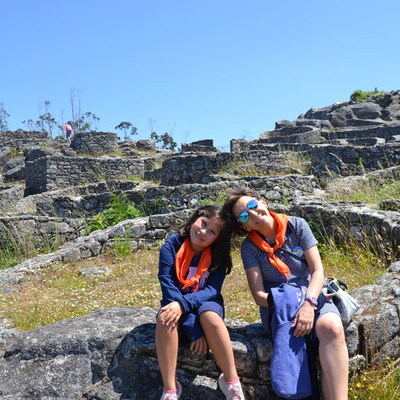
(304, 320)
(171, 313)
(199, 346)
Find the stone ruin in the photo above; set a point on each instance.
(51, 189)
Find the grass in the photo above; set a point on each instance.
(218, 198)
(16, 247)
(298, 161)
(294, 160)
(378, 383)
(241, 169)
(367, 192)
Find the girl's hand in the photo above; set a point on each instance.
(199, 346)
(171, 313)
(304, 320)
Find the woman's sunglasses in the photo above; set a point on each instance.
(244, 216)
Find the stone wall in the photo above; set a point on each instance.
(389, 132)
(52, 172)
(295, 134)
(32, 232)
(200, 146)
(169, 198)
(329, 160)
(68, 211)
(19, 139)
(190, 168)
(9, 196)
(206, 168)
(62, 215)
(377, 229)
(95, 143)
(142, 233)
(332, 160)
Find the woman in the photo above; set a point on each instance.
(282, 249)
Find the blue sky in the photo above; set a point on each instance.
(199, 69)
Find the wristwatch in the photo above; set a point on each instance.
(312, 300)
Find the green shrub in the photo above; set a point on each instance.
(359, 95)
(119, 209)
(151, 207)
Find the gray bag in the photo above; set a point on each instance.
(346, 304)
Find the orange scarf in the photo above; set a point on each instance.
(182, 263)
(282, 221)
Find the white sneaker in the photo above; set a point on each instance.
(173, 396)
(231, 391)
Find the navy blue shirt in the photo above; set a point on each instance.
(298, 238)
(172, 289)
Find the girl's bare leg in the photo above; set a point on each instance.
(167, 342)
(218, 339)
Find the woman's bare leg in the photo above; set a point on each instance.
(333, 357)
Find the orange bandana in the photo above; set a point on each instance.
(282, 221)
(182, 263)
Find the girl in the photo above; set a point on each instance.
(282, 249)
(192, 268)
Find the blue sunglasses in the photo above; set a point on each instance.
(244, 216)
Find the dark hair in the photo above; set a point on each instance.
(233, 195)
(221, 249)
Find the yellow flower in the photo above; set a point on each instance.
(358, 384)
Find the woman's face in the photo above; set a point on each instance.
(250, 212)
(204, 232)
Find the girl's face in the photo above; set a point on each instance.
(251, 213)
(204, 232)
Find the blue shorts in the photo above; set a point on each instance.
(190, 322)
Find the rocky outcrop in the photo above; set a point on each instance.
(110, 354)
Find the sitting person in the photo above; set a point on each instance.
(192, 269)
(271, 255)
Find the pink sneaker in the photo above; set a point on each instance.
(231, 391)
(173, 396)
